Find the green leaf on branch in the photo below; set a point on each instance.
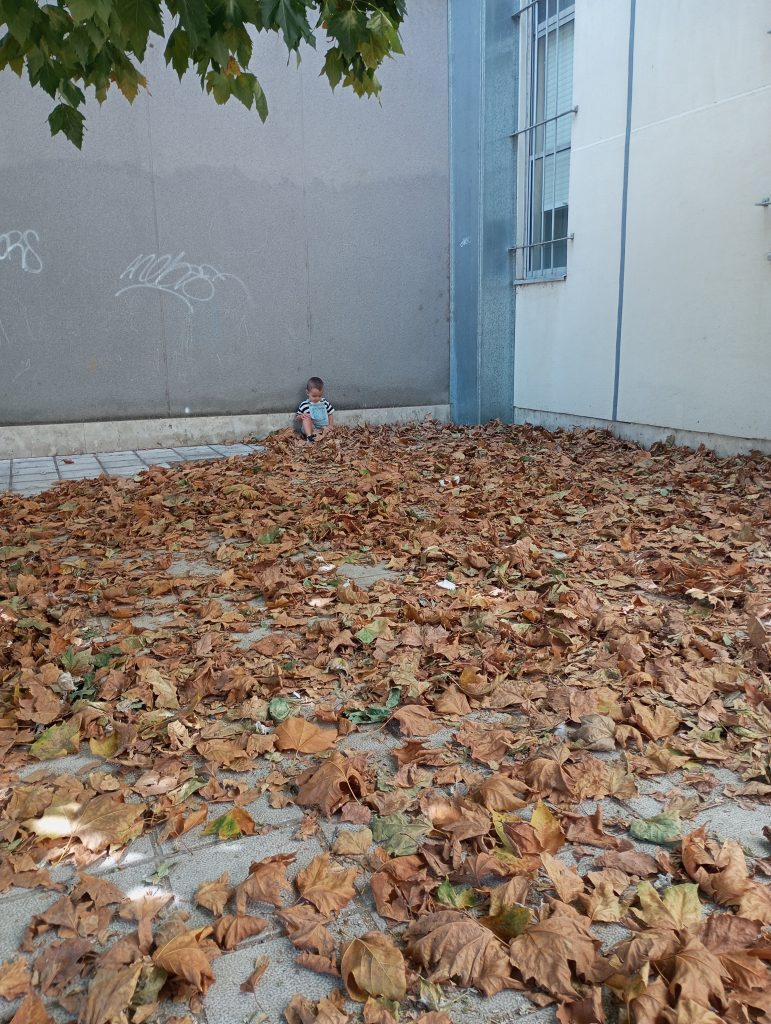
(69, 122)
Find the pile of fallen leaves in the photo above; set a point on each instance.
(556, 621)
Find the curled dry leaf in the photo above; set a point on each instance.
(331, 785)
(265, 882)
(184, 956)
(326, 886)
(371, 965)
(260, 967)
(234, 928)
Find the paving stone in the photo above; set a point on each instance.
(18, 907)
(232, 449)
(282, 980)
(158, 456)
(365, 576)
(197, 452)
(204, 864)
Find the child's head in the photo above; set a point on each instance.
(314, 389)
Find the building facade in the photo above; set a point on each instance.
(186, 272)
(559, 212)
(611, 235)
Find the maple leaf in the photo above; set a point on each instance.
(501, 793)
(183, 956)
(234, 928)
(232, 825)
(567, 881)
(214, 895)
(350, 843)
(15, 978)
(331, 785)
(305, 928)
(58, 740)
(100, 822)
(326, 886)
(297, 733)
(265, 882)
(327, 1011)
(398, 834)
(679, 906)
(31, 1011)
(454, 947)
(400, 887)
(415, 720)
(109, 994)
(371, 965)
(555, 951)
(99, 890)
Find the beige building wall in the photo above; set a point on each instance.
(694, 348)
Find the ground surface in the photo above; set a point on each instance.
(475, 723)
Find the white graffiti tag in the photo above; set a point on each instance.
(190, 282)
(21, 243)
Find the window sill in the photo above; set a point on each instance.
(538, 280)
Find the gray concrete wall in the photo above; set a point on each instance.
(316, 243)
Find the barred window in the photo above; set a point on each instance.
(543, 143)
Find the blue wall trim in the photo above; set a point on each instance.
(624, 196)
(482, 204)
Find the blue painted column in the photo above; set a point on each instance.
(483, 77)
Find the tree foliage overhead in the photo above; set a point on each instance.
(71, 46)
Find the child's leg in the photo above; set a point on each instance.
(306, 425)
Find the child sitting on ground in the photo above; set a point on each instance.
(315, 415)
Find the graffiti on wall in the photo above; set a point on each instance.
(189, 282)
(18, 248)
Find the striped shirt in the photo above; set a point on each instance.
(319, 411)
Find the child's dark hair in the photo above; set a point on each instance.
(314, 384)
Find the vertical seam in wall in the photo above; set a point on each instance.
(303, 170)
(481, 207)
(451, 161)
(624, 196)
(164, 347)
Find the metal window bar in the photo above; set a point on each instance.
(540, 223)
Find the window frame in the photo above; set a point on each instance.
(524, 139)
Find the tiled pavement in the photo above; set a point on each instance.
(31, 476)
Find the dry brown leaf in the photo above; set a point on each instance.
(215, 894)
(325, 885)
(98, 823)
(416, 720)
(327, 1011)
(31, 1011)
(297, 733)
(567, 881)
(501, 793)
(371, 965)
(260, 967)
(109, 994)
(331, 785)
(350, 843)
(265, 882)
(452, 947)
(555, 951)
(15, 978)
(234, 928)
(184, 957)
